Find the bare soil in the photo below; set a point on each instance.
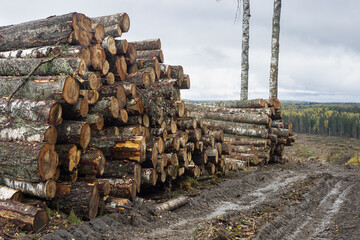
(306, 198)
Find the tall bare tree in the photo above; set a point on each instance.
(273, 82)
(245, 50)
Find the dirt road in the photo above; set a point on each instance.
(303, 199)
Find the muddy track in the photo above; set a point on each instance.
(332, 197)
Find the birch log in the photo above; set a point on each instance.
(45, 190)
(275, 44)
(245, 50)
(7, 193)
(46, 111)
(17, 129)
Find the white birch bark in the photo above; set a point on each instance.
(245, 50)
(273, 83)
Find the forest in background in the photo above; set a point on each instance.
(330, 119)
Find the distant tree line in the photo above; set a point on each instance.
(330, 119)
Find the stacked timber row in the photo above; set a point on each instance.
(88, 118)
(253, 127)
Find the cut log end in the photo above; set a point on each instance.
(71, 90)
(51, 135)
(85, 136)
(55, 114)
(123, 115)
(47, 162)
(84, 107)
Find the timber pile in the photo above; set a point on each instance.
(88, 118)
(254, 127)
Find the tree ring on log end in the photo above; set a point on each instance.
(110, 78)
(125, 22)
(121, 95)
(124, 116)
(41, 219)
(84, 107)
(55, 114)
(146, 79)
(111, 45)
(105, 68)
(152, 75)
(47, 162)
(50, 187)
(82, 67)
(114, 107)
(71, 90)
(51, 135)
(100, 123)
(85, 136)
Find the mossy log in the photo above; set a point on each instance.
(31, 162)
(58, 66)
(57, 88)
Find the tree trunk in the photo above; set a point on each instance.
(42, 88)
(92, 163)
(150, 63)
(215, 109)
(82, 198)
(47, 111)
(118, 65)
(149, 44)
(131, 54)
(177, 72)
(58, 66)
(185, 84)
(37, 218)
(73, 28)
(17, 129)
(260, 119)
(74, 132)
(212, 155)
(7, 193)
(76, 111)
(240, 131)
(32, 162)
(243, 149)
(149, 54)
(245, 50)
(142, 77)
(135, 106)
(119, 18)
(193, 171)
(116, 90)
(275, 44)
(281, 132)
(257, 142)
(45, 190)
(133, 149)
(253, 103)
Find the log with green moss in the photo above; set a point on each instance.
(57, 88)
(33, 162)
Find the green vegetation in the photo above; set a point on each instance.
(330, 119)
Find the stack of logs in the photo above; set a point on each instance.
(87, 118)
(254, 128)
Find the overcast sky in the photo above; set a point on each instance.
(319, 42)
